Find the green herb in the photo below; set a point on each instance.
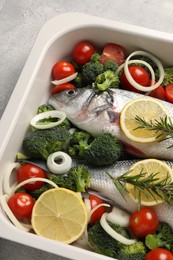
(163, 127)
(151, 186)
(168, 76)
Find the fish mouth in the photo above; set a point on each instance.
(56, 104)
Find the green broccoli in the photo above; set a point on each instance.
(102, 243)
(76, 179)
(168, 76)
(36, 193)
(136, 251)
(44, 108)
(91, 70)
(78, 82)
(163, 237)
(95, 58)
(104, 150)
(106, 80)
(41, 143)
(110, 65)
(65, 124)
(79, 141)
(63, 181)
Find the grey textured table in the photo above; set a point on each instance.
(20, 22)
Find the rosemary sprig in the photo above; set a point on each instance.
(149, 185)
(163, 127)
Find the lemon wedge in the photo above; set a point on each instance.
(149, 109)
(148, 166)
(59, 214)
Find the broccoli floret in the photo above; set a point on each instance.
(82, 177)
(104, 150)
(163, 237)
(106, 80)
(101, 242)
(95, 57)
(78, 82)
(104, 244)
(168, 76)
(77, 179)
(63, 181)
(65, 124)
(36, 193)
(41, 143)
(44, 108)
(91, 70)
(110, 65)
(79, 142)
(136, 251)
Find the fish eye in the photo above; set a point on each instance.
(71, 92)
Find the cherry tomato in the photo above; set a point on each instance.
(143, 222)
(82, 52)
(139, 74)
(112, 51)
(169, 92)
(94, 201)
(159, 254)
(62, 87)
(62, 69)
(27, 171)
(158, 93)
(21, 204)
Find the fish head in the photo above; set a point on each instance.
(71, 101)
(88, 108)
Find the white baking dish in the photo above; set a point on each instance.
(55, 41)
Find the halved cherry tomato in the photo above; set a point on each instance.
(27, 171)
(158, 93)
(169, 92)
(62, 87)
(82, 52)
(159, 254)
(112, 51)
(139, 74)
(143, 222)
(21, 204)
(62, 69)
(94, 201)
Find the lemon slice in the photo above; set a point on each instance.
(59, 214)
(146, 108)
(148, 166)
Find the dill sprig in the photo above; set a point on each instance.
(162, 127)
(149, 185)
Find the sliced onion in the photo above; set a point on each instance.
(49, 114)
(133, 82)
(95, 208)
(119, 217)
(113, 233)
(65, 80)
(6, 181)
(34, 179)
(24, 227)
(62, 167)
